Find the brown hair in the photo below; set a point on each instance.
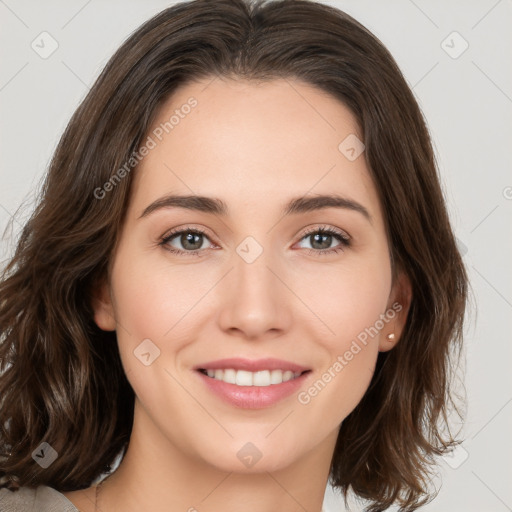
(61, 377)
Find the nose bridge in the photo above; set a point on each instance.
(252, 269)
(254, 281)
(254, 301)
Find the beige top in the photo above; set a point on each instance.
(41, 499)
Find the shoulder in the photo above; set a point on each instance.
(27, 499)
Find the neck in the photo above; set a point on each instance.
(158, 476)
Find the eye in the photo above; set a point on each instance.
(191, 241)
(321, 239)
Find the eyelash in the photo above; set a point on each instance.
(323, 230)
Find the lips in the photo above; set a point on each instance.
(253, 397)
(252, 365)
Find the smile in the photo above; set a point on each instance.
(261, 378)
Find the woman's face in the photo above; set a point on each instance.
(262, 283)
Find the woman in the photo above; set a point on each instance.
(240, 278)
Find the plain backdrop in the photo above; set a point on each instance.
(455, 55)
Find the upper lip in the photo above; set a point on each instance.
(251, 365)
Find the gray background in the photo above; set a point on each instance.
(467, 100)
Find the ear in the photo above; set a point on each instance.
(102, 306)
(397, 309)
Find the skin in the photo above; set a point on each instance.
(243, 140)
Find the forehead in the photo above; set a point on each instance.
(253, 143)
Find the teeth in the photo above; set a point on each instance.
(227, 376)
(245, 378)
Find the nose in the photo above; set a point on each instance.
(255, 301)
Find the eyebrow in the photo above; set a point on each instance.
(217, 206)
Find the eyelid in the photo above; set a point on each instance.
(186, 228)
(325, 228)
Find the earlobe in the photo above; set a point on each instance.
(102, 306)
(390, 340)
(398, 309)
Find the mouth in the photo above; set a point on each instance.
(262, 378)
(252, 383)
(252, 390)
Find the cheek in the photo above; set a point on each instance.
(344, 298)
(338, 388)
(347, 365)
(154, 297)
(156, 301)
(349, 303)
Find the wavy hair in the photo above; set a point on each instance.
(61, 378)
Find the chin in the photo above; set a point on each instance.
(244, 456)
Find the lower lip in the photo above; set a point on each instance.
(253, 397)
